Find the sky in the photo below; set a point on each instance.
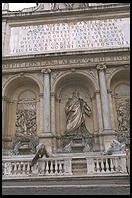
(19, 6)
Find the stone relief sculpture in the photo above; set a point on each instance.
(54, 6)
(40, 6)
(25, 140)
(26, 121)
(77, 134)
(57, 6)
(76, 109)
(69, 5)
(84, 5)
(123, 117)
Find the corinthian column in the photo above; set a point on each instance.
(46, 100)
(108, 134)
(104, 97)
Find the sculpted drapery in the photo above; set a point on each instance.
(76, 109)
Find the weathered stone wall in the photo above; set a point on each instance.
(53, 51)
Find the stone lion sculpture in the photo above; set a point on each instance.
(115, 147)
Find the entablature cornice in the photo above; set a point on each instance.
(61, 61)
(121, 8)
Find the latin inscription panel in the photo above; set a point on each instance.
(88, 35)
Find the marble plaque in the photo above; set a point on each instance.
(85, 35)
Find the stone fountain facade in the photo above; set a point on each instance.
(50, 52)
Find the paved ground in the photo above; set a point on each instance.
(70, 186)
(122, 190)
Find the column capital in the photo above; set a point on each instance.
(46, 71)
(101, 67)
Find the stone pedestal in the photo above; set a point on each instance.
(77, 145)
(47, 140)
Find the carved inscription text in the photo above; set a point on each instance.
(73, 35)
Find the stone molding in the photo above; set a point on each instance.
(6, 138)
(40, 8)
(109, 91)
(41, 95)
(52, 94)
(7, 99)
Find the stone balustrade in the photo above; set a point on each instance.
(103, 164)
(106, 164)
(50, 166)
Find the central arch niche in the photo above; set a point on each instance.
(64, 89)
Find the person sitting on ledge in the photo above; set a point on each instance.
(39, 154)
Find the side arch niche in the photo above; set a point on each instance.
(21, 107)
(64, 89)
(120, 86)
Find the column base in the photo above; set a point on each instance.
(108, 132)
(107, 136)
(47, 139)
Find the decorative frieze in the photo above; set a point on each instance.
(65, 61)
